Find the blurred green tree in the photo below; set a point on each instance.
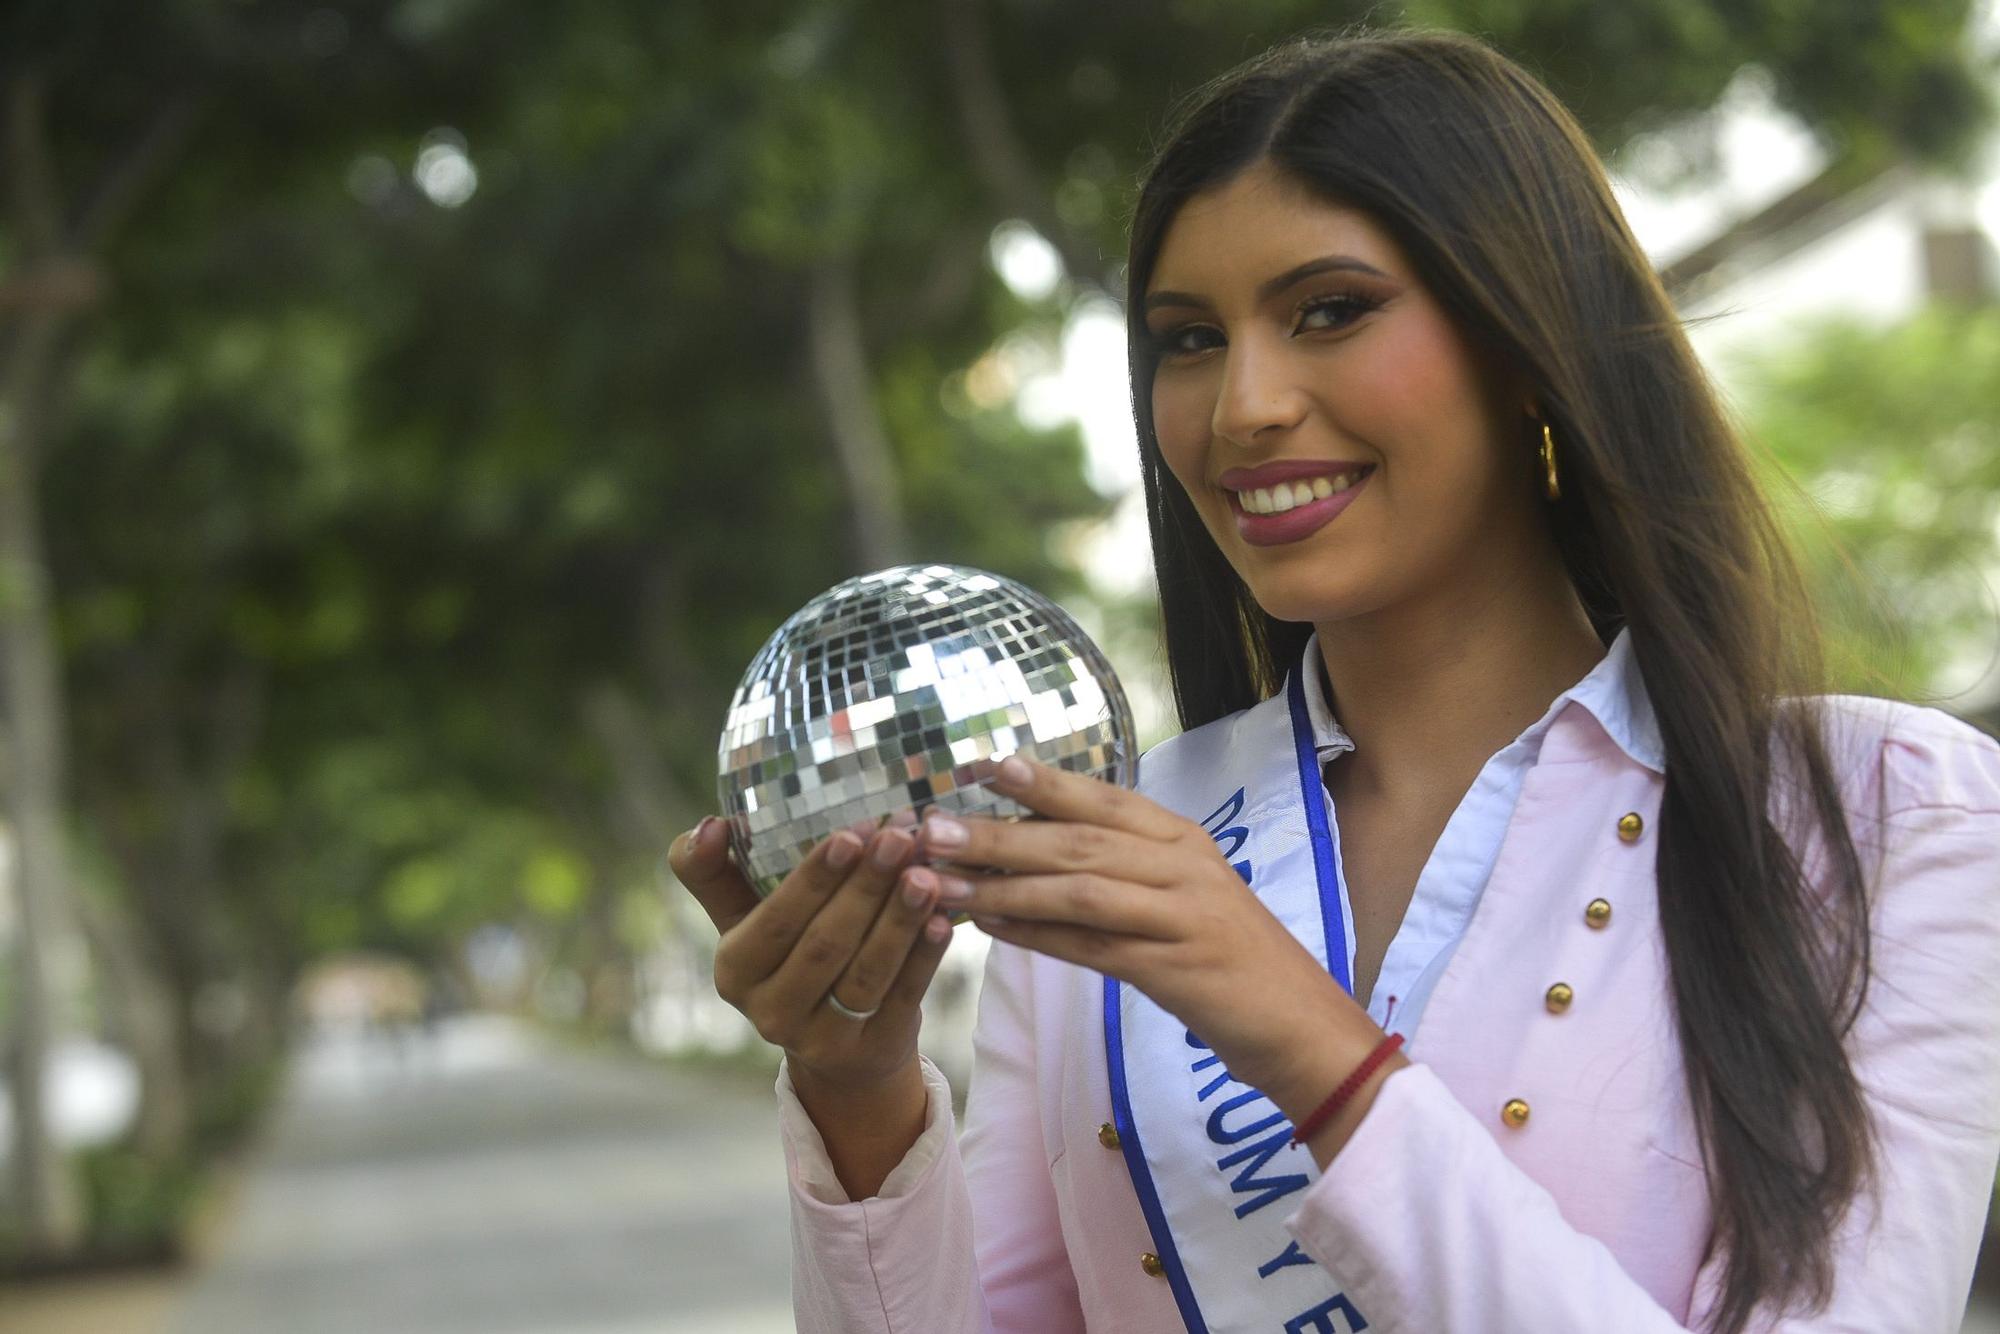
(1894, 434)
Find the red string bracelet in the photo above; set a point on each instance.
(1338, 1098)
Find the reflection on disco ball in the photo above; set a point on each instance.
(897, 691)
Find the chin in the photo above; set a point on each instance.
(1311, 603)
(1323, 587)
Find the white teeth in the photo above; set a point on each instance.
(1289, 495)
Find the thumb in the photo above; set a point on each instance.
(700, 860)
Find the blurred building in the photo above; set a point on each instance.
(1785, 239)
(1874, 248)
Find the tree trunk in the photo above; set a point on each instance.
(994, 148)
(847, 390)
(138, 1015)
(51, 280)
(32, 720)
(49, 1210)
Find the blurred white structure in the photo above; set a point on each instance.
(1872, 250)
(91, 1096)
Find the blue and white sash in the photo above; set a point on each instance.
(1210, 1156)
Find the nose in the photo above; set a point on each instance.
(1259, 393)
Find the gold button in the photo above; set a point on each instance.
(1515, 1113)
(1558, 998)
(1107, 1135)
(1151, 1264)
(1630, 826)
(1598, 912)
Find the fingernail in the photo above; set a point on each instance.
(699, 834)
(943, 832)
(891, 846)
(843, 851)
(937, 930)
(918, 885)
(953, 890)
(1014, 771)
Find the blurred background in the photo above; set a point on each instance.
(415, 413)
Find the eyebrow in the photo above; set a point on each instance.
(1271, 287)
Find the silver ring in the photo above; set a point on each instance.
(838, 1008)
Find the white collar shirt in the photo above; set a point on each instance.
(1455, 875)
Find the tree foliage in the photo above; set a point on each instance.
(1895, 433)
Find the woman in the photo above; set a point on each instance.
(1498, 693)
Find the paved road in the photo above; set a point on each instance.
(485, 1184)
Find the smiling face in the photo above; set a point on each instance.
(1296, 348)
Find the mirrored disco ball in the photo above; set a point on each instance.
(896, 691)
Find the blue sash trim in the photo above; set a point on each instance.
(1312, 793)
(1135, 1163)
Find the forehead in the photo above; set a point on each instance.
(1261, 222)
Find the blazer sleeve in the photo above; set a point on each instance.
(961, 1239)
(1434, 1228)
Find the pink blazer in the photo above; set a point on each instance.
(1591, 1218)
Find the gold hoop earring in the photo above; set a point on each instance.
(1549, 483)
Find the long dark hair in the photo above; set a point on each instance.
(1502, 207)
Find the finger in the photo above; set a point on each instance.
(1061, 794)
(898, 927)
(1100, 951)
(907, 991)
(1052, 845)
(836, 931)
(773, 927)
(1075, 899)
(699, 859)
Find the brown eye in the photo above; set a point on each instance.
(1185, 340)
(1333, 312)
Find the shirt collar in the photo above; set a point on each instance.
(1612, 691)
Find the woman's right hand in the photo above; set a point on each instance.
(854, 921)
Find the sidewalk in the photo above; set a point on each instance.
(136, 1301)
(487, 1183)
(480, 1183)
(125, 1304)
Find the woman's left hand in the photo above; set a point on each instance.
(1115, 882)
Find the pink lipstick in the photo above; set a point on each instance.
(1266, 530)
